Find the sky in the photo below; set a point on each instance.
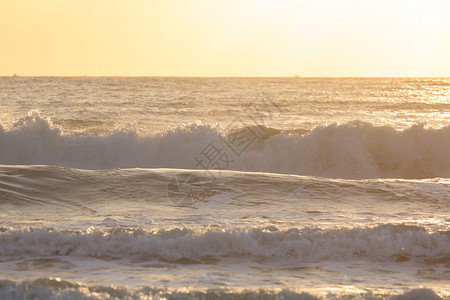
(379, 38)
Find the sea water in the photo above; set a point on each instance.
(274, 188)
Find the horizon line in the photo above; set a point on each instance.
(177, 76)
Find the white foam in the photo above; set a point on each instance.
(308, 244)
(54, 288)
(352, 150)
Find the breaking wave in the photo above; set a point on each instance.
(353, 150)
(178, 244)
(54, 288)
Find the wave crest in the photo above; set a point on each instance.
(307, 244)
(352, 150)
(55, 288)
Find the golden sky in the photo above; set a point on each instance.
(225, 38)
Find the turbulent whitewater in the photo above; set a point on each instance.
(352, 150)
(273, 188)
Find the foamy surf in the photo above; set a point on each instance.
(272, 228)
(54, 288)
(352, 150)
(383, 242)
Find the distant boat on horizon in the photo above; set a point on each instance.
(15, 75)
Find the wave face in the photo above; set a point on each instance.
(305, 245)
(352, 150)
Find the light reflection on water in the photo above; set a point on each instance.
(100, 105)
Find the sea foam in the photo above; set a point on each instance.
(301, 244)
(54, 288)
(353, 150)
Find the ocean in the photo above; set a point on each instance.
(205, 188)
